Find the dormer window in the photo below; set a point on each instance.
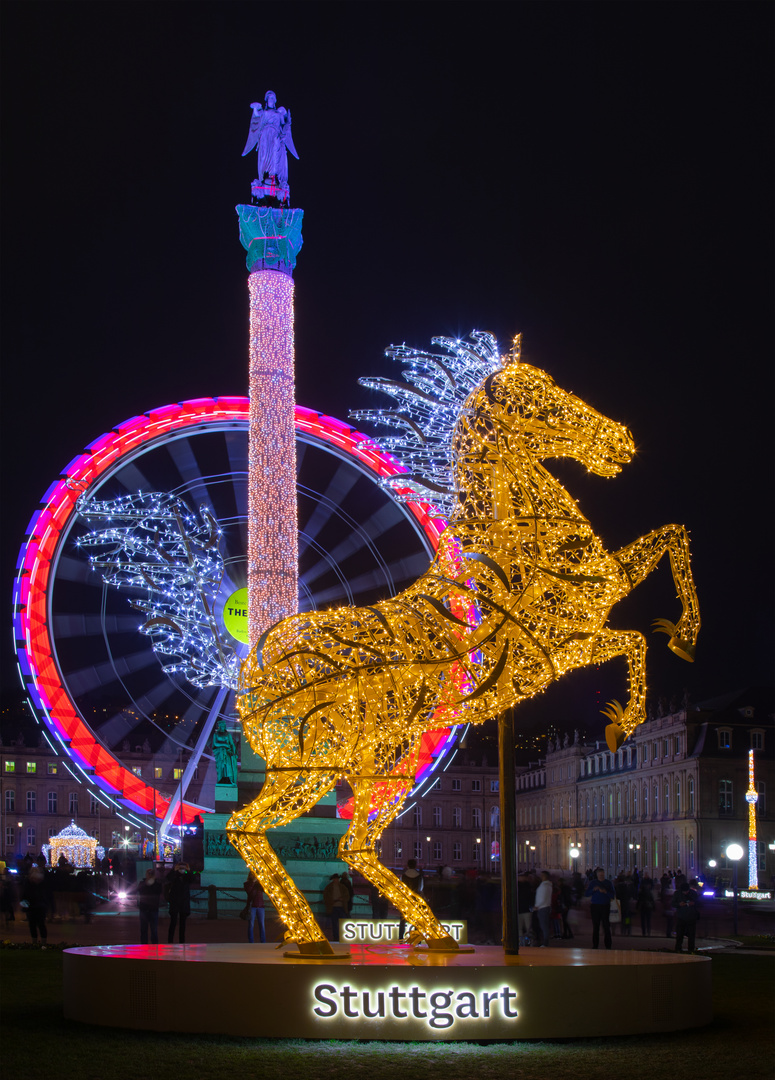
(757, 740)
(724, 738)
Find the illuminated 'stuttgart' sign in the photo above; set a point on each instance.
(369, 930)
(440, 1009)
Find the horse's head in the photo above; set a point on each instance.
(523, 401)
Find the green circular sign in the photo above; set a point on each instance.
(235, 615)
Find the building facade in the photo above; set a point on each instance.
(39, 796)
(674, 796)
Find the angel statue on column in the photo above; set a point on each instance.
(270, 134)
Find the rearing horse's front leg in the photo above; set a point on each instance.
(632, 645)
(639, 559)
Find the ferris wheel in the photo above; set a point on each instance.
(95, 682)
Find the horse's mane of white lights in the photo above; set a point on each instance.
(428, 404)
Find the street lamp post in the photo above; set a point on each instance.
(734, 853)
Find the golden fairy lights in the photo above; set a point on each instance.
(518, 594)
(272, 566)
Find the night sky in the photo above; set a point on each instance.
(597, 176)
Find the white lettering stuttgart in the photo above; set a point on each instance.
(439, 1008)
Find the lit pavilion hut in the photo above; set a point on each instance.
(75, 844)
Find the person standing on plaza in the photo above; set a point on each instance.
(543, 906)
(148, 900)
(178, 893)
(687, 913)
(347, 886)
(34, 901)
(412, 877)
(255, 892)
(646, 905)
(335, 899)
(601, 893)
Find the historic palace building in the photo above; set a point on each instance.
(674, 796)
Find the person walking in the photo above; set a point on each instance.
(34, 902)
(148, 900)
(543, 906)
(646, 905)
(256, 914)
(601, 893)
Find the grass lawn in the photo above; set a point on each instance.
(38, 1043)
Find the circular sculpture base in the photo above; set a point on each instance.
(386, 993)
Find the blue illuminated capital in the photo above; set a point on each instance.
(271, 237)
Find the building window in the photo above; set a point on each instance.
(761, 805)
(495, 817)
(634, 800)
(666, 861)
(436, 784)
(10, 766)
(691, 852)
(587, 809)
(618, 802)
(667, 798)
(177, 774)
(437, 850)
(494, 785)
(51, 768)
(157, 772)
(10, 837)
(418, 850)
(457, 817)
(417, 816)
(476, 817)
(691, 794)
(437, 816)
(73, 803)
(678, 744)
(10, 800)
(725, 796)
(656, 798)
(724, 738)
(456, 785)
(93, 805)
(618, 852)
(52, 831)
(656, 853)
(52, 802)
(610, 805)
(476, 785)
(32, 767)
(678, 796)
(137, 770)
(655, 751)
(31, 842)
(594, 804)
(457, 851)
(757, 740)
(32, 802)
(398, 848)
(645, 800)
(761, 857)
(665, 748)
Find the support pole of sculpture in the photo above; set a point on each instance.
(508, 835)
(270, 232)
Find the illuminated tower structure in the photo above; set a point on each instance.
(751, 797)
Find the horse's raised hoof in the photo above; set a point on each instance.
(681, 648)
(614, 737)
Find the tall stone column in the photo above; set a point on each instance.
(272, 239)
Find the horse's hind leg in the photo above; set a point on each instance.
(358, 848)
(284, 797)
(639, 559)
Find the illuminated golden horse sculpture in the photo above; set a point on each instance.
(518, 594)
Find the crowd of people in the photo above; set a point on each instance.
(545, 900)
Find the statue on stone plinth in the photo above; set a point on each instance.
(225, 753)
(270, 134)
